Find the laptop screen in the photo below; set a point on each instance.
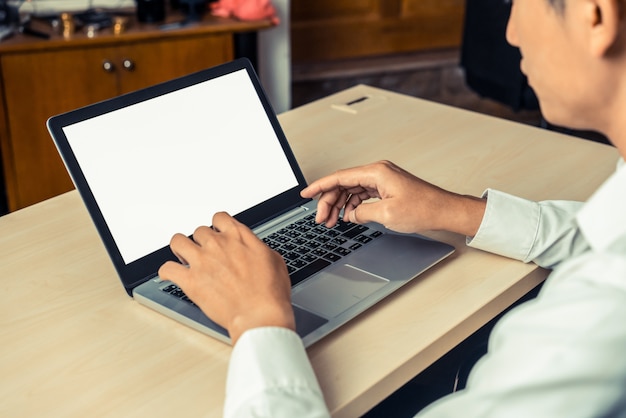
(167, 164)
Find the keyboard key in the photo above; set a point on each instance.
(320, 230)
(291, 256)
(292, 234)
(319, 252)
(302, 250)
(272, 244)
(299, 241)
(309, 236)
(298, 263)
(342, 251)
(169, 288)
(343, 226)
(282, 239)
(362, 239)
(177, 292)
(332, 257)
(357, 230)
(308, 271)
(339, 240)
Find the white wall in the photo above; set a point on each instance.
(274, 56)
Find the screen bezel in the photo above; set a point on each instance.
(134, 273)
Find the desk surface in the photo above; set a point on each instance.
(73, 343)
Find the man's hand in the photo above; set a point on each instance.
(232, 276)
(404, 202)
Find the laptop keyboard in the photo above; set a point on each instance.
(308, 247)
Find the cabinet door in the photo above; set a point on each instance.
(151, 62)
(41, 84)
(338, 29)
(38, 85)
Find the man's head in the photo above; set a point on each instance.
(574, 54)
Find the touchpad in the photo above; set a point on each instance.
(332, 293)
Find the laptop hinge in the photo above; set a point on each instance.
(280, 219)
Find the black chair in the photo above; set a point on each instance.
(491, 64)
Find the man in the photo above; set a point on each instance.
(560, 355)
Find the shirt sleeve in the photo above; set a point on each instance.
(559, 355)
(270, 376)
(542, 232)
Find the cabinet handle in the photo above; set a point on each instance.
(108, 66)
(129, 65)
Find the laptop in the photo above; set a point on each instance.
(164, 159)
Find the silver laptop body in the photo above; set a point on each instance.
(164, 159)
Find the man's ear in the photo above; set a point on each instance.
(603, 19)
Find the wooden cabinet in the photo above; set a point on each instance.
(337, 29)
(44, 78)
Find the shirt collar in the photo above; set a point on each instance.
(602, 219)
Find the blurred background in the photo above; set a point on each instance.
(56, 55)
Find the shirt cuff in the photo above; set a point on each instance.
(264, 360)
(509, 226)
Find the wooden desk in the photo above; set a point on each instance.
(74, 345)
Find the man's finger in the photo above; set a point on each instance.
(202, 234)
(222, 221)
(329, 205)
(347, 179)
(361, 213)
(183, 247)
(173, 271)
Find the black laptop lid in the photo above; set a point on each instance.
(164, 159)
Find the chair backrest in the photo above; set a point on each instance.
(491, 65)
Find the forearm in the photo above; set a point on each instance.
(462, 214)
(543, 232)
(270, 376)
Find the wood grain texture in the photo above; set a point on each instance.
(329, 29)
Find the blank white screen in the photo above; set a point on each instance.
(166, 165)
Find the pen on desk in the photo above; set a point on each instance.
(355, 101)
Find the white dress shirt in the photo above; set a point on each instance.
(562, 354)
